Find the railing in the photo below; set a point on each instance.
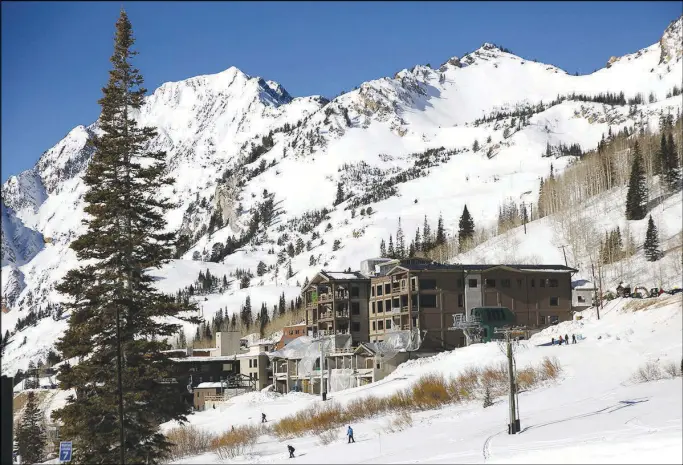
(398, 328)
(329, 332)
(337, 314)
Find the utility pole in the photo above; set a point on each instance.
(524, 217)
(564, 253)
(600, 284)
(514, 425)
(595, 290)
(322, 359)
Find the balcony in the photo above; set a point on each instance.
(398, 328)
(334, 315)
(330, 332)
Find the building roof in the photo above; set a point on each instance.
(208, 358)
(583, 284)
(434, 266)
(342, 275)
(210, 385)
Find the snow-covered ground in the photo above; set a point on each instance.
(594, 413)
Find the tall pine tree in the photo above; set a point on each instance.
(440, 233)
(651, 245)
(671, 170)
(30, 436)
(118, 318)
(465, 229)
(636, 197)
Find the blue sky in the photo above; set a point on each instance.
(55, 54)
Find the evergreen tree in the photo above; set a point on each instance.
(281, 304)
(400, 241)
(440, 233)
(30, 435)
(636, 197)
(290, 272)
(660, 164)
(246, 313)
(123, 240)
(391, 253)
(426, 236)
(261, 269)
(672, 172)
(335, 245)
(475, 146)
(340, 195)
(382, 249)
(417, 241)
(465, 228)
(651, 245)
(233, 321)
(245, 281)
(487, 397)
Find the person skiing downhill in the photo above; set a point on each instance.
(349, 433)
(291, 451)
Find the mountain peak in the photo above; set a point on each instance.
(671, 42)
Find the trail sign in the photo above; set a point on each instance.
(65, 451)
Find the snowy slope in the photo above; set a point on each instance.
(593, 413)
(208, 125)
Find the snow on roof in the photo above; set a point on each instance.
(209, 358)
(208, 385)
(335, 275)
(583, 284)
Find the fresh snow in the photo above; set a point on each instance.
(592, 413)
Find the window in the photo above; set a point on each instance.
(414, 322)
(413, 282)
(255, 363)
(250, 364)
(378, 365)
(387, 288)
(380, 306)
(427, 284)
(460, 300)
(553, 319)
(533, 282)
(379, 289)
(355, 326)
(541, 319)
(428, 300)
(388, 324)
(372, 307)
(581, 299)
(355, 308)
(472, 282)
(490, 283)
(554, 301)
(380, 325)
(552, 283)
(541, 282)
(374, 325)
(372, 291)
(505, 283)
(395, 302)
(519, 283)
(387, 305)
(355, 291)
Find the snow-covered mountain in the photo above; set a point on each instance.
(401, 145)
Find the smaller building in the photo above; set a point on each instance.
(583, 293)
(291, 332)
(255, 364)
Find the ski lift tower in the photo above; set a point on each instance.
(509, 332)
(471, 327)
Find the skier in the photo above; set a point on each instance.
(566, 339)
(560, 339)
(349, 433)
(573, 338)
(291, 451)
(552, 341)
(263, 418)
